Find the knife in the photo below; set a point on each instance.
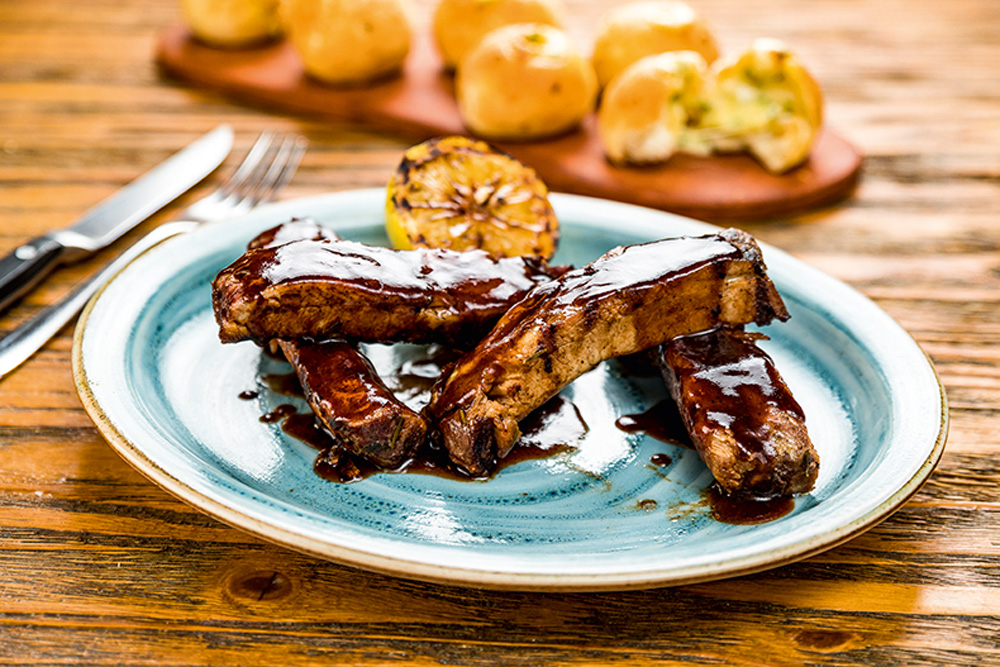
(23, 268)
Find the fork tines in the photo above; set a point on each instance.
(267, 167)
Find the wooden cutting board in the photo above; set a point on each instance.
(420, 104)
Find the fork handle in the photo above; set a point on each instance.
(21, 343)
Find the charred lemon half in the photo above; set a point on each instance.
(462, 194)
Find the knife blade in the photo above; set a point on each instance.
(27, 264)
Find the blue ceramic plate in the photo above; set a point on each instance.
(165, 393)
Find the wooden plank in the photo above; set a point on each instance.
(420, 104)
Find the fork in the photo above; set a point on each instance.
(266, 169)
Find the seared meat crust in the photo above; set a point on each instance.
(629, 300)
(351, 291)
(742, 417)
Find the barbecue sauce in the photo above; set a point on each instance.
(662, 421)
(746, 510)
(417, 295)
(547, 432)
(284, 384)
(303, 426)
(473, 277)
(661, 460)
(414, 379)
(552, 429)
(336, 464)
(278, 414)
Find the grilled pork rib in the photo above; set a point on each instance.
(351, 291)
(746, 425)
(763, 448)
(346, 395)
(629, 300)
(353, 404)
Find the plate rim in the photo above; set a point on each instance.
(500, 579)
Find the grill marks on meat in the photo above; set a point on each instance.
(629, 300)
(353, 404)
(351, 291)
(746, 425)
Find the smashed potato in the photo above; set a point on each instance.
(232, 23)
(639, 29)
(459, 25)
(349, 41)
(648, 110)
(766, 102)
(524, 81)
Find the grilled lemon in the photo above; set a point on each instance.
(462, 194)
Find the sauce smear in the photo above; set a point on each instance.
(553, 429)
(285, 384)
(550, 430)
(662, 421)
(745, 511)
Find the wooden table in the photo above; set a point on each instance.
(98, 566)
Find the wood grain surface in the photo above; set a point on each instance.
(98, 566)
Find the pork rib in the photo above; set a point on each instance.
(630, 299)
(346, 395)
(353, 404)
(746, 425)
(351, 291)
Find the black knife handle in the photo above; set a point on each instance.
(25, 266)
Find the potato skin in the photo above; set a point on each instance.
(639, 29)
(647, 109)
(523, 82)
(232, 23)
(349, 42)
(459, 25)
